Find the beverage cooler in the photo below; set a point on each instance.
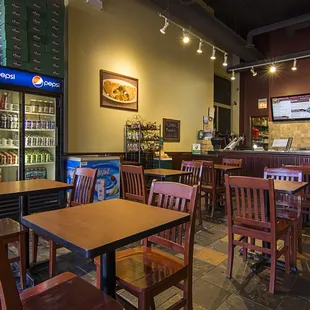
(31, 126)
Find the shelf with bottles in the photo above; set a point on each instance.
(9, 157)
(40, 130)
(35, 173)
(39, 140)
(9, 121)
(40, 107)
(40, 114)
(38, 156)
(8, 166)
(6, 129)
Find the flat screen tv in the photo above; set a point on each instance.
(291, 108)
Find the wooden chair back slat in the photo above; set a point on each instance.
(195, 177)
(133, 183)
(208, 173)
(9, 294)
(178, 197)
(84, 181)
(232, 162)
(250, 201)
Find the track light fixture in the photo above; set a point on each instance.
(213, 53)
(185, 37)
(233, 76)
(294, 68)
(254, 73)
(200, 47)
(225, 60)
(272, 68)
(163, 30)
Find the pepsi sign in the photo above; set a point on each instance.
(30, 80)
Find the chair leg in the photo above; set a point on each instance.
(199, 210)
(35, 245)
(273, 266)
(213, 199)
(245, 250)
(300, 237)
(22, 260)
(287, 245)
(52, 262)
(188, 293)
(294, 244)
(144, 302)
(98, 276)
(153, 304)
(230, 261)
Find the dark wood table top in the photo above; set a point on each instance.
(165, 172)
(27, 187)
(226, 167)
(289, 187)
(101, 227)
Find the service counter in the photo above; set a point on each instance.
(254, 162)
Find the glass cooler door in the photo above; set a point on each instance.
(10, 102)
(40, 137)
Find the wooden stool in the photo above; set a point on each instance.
(13, 232)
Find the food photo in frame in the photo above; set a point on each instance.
(118, 91)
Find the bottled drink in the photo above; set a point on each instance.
(3, 100)
(4, 120)
(46, 108)
(33, 105)
(51, 109)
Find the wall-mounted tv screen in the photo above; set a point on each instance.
(291, 108)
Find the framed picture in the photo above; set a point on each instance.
(118, 91)
(171, 130)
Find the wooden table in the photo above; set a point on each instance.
(165, 173)
(29, 187)
(100, 228)
(289, 187)
(226, 168)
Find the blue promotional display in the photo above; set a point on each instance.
(108, 175)
(30, 80)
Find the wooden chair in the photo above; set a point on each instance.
(208, 189)
(148, 271)
(193, 179)
(252, 220)
(133, 183)
(84, 181)
(65, 291)
(305, 202)
(14, 233)
(289, 206)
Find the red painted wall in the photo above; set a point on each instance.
(285, 82)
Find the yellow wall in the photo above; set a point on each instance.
(174, 82)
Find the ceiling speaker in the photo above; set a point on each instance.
(98, 4)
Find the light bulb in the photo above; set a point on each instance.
(185, 37)
(200, 47)
(225, 61)
(233, 76)
(163, 30)
(253, 72)
(273, 68)
(294, 68)
(213, 54)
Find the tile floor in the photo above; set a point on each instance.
(211, 289)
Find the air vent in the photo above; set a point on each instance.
(98, 4)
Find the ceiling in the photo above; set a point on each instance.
(245, 15)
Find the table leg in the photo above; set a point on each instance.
(24, 210)
(108, 273)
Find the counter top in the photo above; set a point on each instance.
(215, 153)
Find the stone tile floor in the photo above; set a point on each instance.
(211, 289)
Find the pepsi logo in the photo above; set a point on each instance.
(37, 81)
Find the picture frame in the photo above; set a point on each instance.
(118, 91)
(171, 130)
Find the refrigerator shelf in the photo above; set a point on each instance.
(39, 146)
(9, 147)
(40, 164)
(9, 111)
(6, 129)
(8, 166)
(42, 114)
(46, 130)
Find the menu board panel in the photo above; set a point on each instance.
(291, 107)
